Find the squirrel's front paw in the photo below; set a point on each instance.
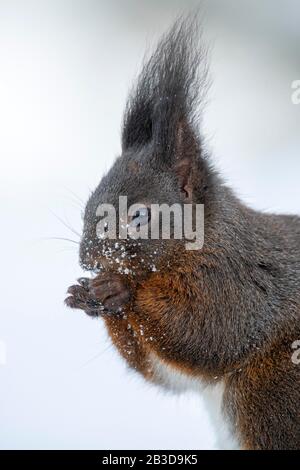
(80, 297)
(106, 293)
(110, 290)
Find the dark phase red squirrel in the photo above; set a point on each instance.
(226, 315)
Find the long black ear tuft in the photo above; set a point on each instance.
(163, 107)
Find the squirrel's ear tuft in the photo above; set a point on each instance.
(163, 107)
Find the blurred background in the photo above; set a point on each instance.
(65, 69)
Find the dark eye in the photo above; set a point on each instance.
(141, 217)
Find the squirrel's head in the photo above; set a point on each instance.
(162, 160)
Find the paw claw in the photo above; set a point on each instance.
(84, 282)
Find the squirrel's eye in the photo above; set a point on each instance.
(141, 217)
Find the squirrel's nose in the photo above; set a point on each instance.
(94, 264)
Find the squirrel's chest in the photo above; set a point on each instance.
(174, 380)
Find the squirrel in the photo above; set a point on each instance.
(223, 318)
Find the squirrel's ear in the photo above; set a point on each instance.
(162, 110)
(186, 151)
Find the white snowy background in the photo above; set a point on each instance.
(65, 68)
